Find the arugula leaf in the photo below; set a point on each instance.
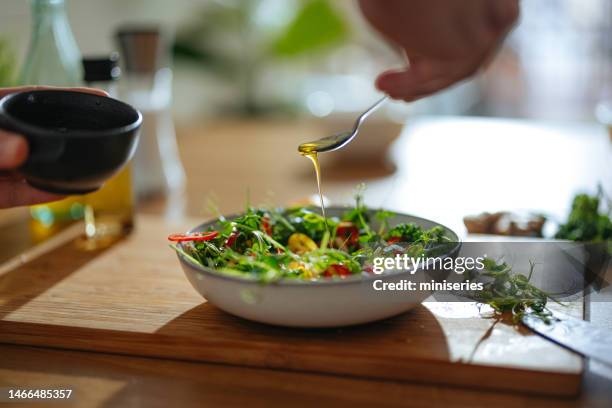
(256, 243)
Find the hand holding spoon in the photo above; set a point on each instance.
(339, 140)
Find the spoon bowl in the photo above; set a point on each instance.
(339, 140)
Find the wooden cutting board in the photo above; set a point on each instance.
(133, 299)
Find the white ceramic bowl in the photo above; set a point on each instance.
(323, 303)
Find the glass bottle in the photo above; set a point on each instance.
(53, 58)
(109, 212)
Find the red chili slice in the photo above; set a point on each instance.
(195, 236)
(337, 270)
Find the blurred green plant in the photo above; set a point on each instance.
(317, 26)
(226, 40)
(7, 63)
(588, 221)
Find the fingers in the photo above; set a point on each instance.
(406, 83)
(425, 77)
(13, 150)
(16, 192)
(503, 14)
(6, 91)
(451, 40)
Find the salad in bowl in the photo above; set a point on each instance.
(294, 267)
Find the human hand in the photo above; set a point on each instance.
(14, 190)
(445, 41)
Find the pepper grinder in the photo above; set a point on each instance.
(147, 85)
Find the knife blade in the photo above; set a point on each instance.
(577, 335)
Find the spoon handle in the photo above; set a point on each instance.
(367, 113)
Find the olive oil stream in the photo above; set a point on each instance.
(309, 150)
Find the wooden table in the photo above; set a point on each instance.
(483, 165)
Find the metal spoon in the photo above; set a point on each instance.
(339, 140)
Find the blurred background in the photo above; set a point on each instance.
(246, 80)
(318, 57)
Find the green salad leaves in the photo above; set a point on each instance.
(298, 243)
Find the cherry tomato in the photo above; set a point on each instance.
(337, 270)
(348, 233)
(301, 267)
(265, 225)
(195, 236)
(394, 240)
(231, 240)
(301, 243)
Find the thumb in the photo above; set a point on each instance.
(413, 81)
(13, 150)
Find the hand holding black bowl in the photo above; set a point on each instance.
(14, 190)
(76, 139)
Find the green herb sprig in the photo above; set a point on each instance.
(510, 292)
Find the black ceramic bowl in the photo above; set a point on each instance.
(77, 140)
